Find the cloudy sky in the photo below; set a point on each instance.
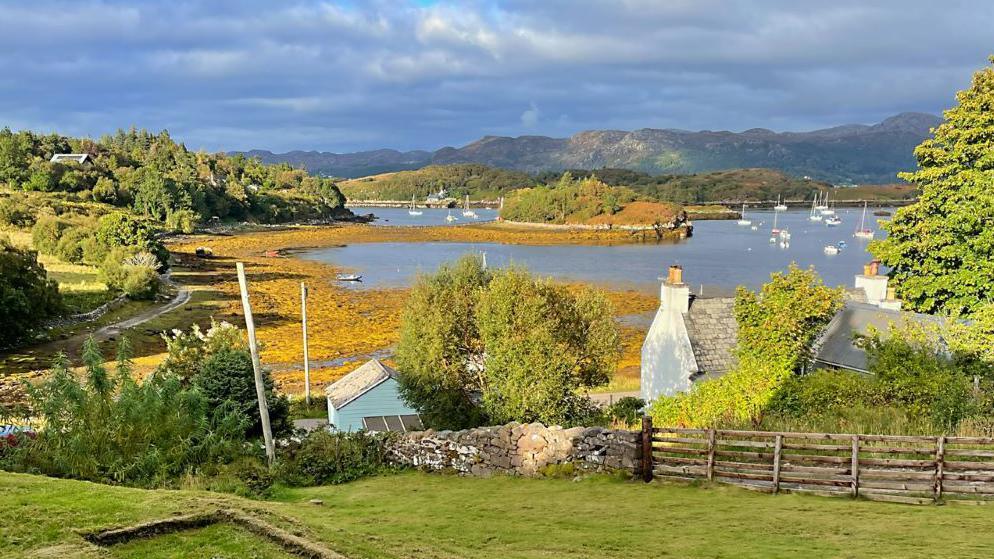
(406, 74)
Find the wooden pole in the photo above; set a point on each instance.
(711, 436)
(940, 463)
(854, 466)
(260, 387)
(777, 450)
(307, 361)
(646, 448)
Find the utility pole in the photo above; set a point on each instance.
(260, 387)
(307, 361)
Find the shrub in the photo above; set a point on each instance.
(323, 458)
(14, 214)
(226, 377)
(186, 351)
(626, 411)
(70, 247)
(123, 230)
(27, 296)
(140, 282)
(181, 221)
(111, 429)
(46, 233)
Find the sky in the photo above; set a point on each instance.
(408, 74)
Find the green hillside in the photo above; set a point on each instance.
(479, 181)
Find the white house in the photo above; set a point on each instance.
(693, 338)
(78, 158)
(368, 398)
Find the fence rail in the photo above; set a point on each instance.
(905, 469)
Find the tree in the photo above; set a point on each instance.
(27, 296)
(123, 230)
(941, 249)
(479, 346)
(226, 378)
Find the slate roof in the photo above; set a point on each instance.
(358, 382)
(835, 348)
(713, 334)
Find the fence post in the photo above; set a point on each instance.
(777, 448)
(940, 462)
(854, 466)
(646, 448)
(711, 437)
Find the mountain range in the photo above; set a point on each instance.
(856, 153)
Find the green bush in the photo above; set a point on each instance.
(627, 410)
(111, 429)
(226, 377)
(27, 296)
(140, 282)
(826, 390)
(14, 214)
(123, 230)
(181, 221)
(323, 458)
(70, 247)
(46, 232)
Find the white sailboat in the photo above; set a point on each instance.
(780, 207)
(833, 220)
(821, 204)
(742, 218)
(414, 210)
(863, 232)
(775, 231)
(827, 210)
(831, 250)
(450, 218)
(815, 216)
(468, 212)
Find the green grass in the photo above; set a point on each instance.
(213, 542)
(420, 515)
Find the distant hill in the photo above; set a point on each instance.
(478, 181)
(854, 153)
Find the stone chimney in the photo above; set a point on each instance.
(675, 295)
(891, 303)
(872, 283)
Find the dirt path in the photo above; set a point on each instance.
(181, 298)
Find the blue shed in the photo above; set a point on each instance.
(367, 398)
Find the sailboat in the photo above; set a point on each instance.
(827, 210)
(414, 210)
(863, 232)
(742, 218)
(833, 220)
(821, 204)
(775, 231)
(450, 218)
(468, 212)
(815, 216)
(780, 207)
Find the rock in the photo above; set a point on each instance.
(317, 502)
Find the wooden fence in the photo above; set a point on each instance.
(907, 469)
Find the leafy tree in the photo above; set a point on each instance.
(226, 378)
(122, 230)
(479, 346)
(776, 329)
(941, 249)
(27, 296)
(15, 154)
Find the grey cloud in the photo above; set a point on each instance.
(345, 76)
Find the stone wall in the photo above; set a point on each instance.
(518, 449)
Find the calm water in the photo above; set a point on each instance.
(433, 217)
(719, 256)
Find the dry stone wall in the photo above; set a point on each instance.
(517, 449)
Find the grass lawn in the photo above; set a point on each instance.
(420, 515)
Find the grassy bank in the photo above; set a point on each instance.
(420, 515)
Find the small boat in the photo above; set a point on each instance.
(348, 277)
(450, 218)
(775, 231)
(815, 216)
(833, 221)
(742, 219)
(863, 232)
(468, 212)
(831, 250)
(780, 207)
(414, 210)
(881, 213)
(755, 228)
(842, 244)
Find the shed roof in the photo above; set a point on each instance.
(836, 347)
(353, 385)
(713, 334)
